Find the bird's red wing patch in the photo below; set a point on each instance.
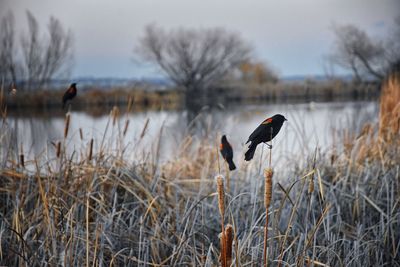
(267, 121)
(221, 146)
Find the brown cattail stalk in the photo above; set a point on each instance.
(66, 127)
(58, 149)
(130, 102)
(126, 126)
(81, 133)
(221, 195)
(144, 128)
(221, 207)
(90, 150)
(268, 173)
(21, 157)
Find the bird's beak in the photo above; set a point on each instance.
(285, 119)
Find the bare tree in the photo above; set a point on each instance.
(45, 58)
(362, 55)
(8, 65)
(193, 59)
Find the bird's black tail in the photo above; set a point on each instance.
(231, 165)
(250, 153)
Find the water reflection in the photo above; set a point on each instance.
(308, 125)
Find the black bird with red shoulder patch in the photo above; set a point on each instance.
(227, 153)
(265, 132)
(69, 94)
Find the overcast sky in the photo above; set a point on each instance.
(292, 35)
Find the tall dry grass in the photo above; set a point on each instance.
(92, 206)
(389, 108)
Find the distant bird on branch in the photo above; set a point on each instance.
(69, 94)
(227, 153)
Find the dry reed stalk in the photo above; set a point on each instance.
(115, 114)
(98, 230)
(58, 152)
(130, 103)
(3, 106)
(268, 173)
(311, 185)
(291, 217)
(126, 127)
(228, 185)
(66, 125)
(315, 262)
(320, 186)
(144, 128)
(219, 166)
(81, 133)
(1, 97)
(90, 150)
(221, 207)
(87, 229)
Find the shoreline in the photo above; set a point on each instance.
(174, 98)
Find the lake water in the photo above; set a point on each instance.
(309, 125)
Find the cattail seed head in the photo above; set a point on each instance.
(268, 173)
(228, 244)
(221, 194)
(66, 127)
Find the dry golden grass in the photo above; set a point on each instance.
(381, 140)
(389, 108)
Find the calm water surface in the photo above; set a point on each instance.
(309, 125)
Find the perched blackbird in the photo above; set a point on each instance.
(267, 130)
(69, 94)
(227, 153)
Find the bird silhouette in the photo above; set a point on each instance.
(227, 152)
(265, 132)
(69, 94)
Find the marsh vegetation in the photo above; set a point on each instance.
(95, 205)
